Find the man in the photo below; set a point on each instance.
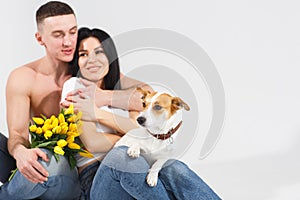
(34, 89)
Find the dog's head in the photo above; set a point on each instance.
(160, 110)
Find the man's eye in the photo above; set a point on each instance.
(157, 107)
(73, 32)
(57, 35)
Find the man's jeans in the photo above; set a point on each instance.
(122, 177)
(63, 183)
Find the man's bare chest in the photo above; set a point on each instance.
(45, 98)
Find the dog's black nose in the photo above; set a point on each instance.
(141, 120)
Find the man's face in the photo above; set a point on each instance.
(59, 35)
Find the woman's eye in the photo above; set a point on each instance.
(83, 54)
(99, 51)
(157, 107)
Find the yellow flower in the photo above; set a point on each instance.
(61, 143)
(72, 133)
(61, 118)
(52, 118)
(73, 146)
(32, 128)
(79, 115)
(59, 150)
(70, 139)
(64, 129)
(48, 122)
(56, 130)
(86, 154)
(72, 127)
(38, 120)
(70, 110)
(46, 127)
(55, 122)
(48, 134)
(63, 124)
(39, 130)
(72, 119)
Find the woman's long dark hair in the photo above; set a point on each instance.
(112, 79)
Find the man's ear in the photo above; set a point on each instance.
(178, 103)
(38, 37)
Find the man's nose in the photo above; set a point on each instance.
(67, 40)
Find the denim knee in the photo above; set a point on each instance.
(118, 159)
(61, 167)
(176, 167)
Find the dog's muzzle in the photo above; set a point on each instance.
(141, 120)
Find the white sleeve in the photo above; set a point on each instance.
(70, 85)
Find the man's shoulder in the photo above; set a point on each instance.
(27, 71)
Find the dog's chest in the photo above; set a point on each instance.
(147, 142)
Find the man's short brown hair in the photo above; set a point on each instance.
(51, 9)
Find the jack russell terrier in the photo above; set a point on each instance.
(159, 121)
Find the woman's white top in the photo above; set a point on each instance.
(73, 84)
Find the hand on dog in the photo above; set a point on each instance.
(134, 151)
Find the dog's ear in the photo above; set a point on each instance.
(178, 103)
(144, 93)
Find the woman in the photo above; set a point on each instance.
(118, 176)
(97, 61)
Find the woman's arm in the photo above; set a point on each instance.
(95, 141)
(119, 123)
(103, 142)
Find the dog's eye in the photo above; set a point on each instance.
(157, 107)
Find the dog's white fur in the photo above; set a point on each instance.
(162, 112)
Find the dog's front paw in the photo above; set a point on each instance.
(152, 178)
(133, 152)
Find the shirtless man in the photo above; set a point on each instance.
(35, 89)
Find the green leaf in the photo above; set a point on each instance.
(45, 144)
(44, 117)
(72, 161)
(12, 174)
(56, 156)
(33, 136)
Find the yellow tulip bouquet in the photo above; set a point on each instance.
(59, 134)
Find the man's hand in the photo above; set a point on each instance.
(102, 97)
(28, 165)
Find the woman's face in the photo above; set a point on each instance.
(92, 60)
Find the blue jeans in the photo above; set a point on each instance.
(63, 183)
(122, 177)
(86, 179)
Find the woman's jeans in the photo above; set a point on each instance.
(63, 183)
(86, 179)
(122, 177)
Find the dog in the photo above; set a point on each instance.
(159, 123)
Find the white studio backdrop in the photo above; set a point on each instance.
(255, 46)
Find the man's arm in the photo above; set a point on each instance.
(18, 114)
(127, 98)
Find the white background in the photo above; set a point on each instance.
(255, 46)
